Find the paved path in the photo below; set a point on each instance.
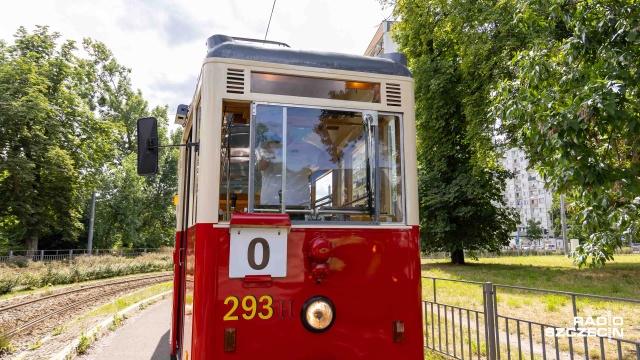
(144, 336)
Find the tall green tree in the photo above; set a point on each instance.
(573, 104)
(456, 50)
(136, 211)
(108, 91)
(41, 152)
(106, 86)
(67, 128)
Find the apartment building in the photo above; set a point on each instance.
(382, 43)
(526, 193)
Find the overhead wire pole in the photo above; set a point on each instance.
(270, 16)
(563, 219)
(91, 221)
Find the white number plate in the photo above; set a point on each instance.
(258, 251)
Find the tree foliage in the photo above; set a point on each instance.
(557, 78)
(137, 211)
(40, 114)
(572, 103)
(534, 231)
(68, 128)
(456, 50)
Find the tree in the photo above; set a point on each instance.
(40, 150)
(573, 104)
(534, 231)
(108, 91)
(123, 193)
(67, 128)
(456, 50)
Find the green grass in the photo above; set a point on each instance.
(117, 321)
(58, 330)
(620, 278)
(36, 344)
(5, 342)
(432, 355)
(130, 299)
(84, 344)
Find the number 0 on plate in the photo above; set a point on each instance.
(258, 251)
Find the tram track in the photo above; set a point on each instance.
(31, 319)
(2, 309)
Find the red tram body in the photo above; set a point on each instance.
(326, 269)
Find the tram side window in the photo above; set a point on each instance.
(234, 160)
(390, 168)
(195, 168)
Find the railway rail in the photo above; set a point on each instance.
(34, 313)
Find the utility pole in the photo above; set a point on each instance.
(563, 218)
(93, 213)
(547, 218)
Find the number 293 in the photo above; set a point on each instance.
(262, 307)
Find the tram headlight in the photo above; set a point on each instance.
(318, 314)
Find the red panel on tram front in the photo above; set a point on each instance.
(373, 280)
(246, 219)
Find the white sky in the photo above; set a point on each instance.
(163, 41)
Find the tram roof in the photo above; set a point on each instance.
(222, 46)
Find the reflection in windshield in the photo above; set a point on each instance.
(312, 164)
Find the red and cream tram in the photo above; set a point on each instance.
(297, 231)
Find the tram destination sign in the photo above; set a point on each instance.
(258, 251)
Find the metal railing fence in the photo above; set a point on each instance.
(504, 253)
(64, 254)
(458, 330)
(514, 252)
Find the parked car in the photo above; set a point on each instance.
(550, 247)
(635, 247)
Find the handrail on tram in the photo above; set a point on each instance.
(261, 41)
(356, 200)
(337, 210)
(328, 199)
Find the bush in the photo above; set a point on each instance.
(82, 268)
(7, 284)
(18, 261)
(626, 250)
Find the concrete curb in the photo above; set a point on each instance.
(69, 351)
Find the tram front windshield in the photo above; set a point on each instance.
(325, 165)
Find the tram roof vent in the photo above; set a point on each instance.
(235, 81)
(393, 94)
